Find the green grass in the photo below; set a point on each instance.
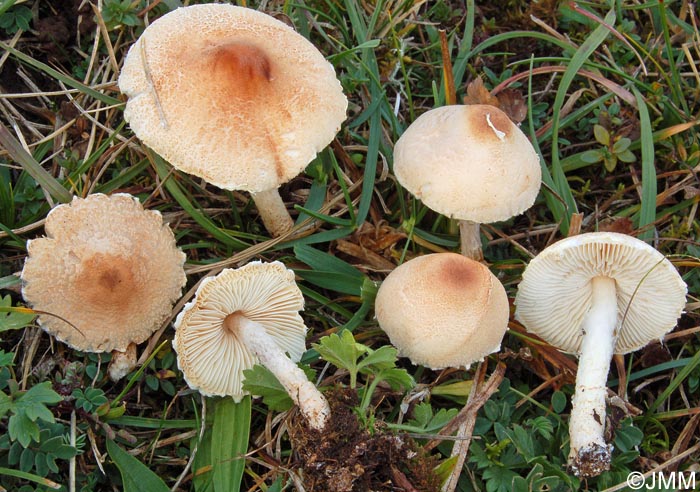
(628, 67)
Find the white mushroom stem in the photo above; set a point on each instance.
(590, 455)
(470, 240)
(273, 212)
(306, 396)
(122, 362)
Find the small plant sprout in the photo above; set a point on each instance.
(471, 163)
(106, 275)
(246, 106)
(595, 295)
(238, 319)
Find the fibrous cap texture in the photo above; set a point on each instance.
(211, 357)
(443, 310)
(107, 266)
(231, 95)
(469, 163)
(555, 293)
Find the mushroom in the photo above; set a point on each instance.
(471, 163)
(108, 271)
(443, 310)
(238, 319)
(446, 310)
(233, 96)
(595, 295)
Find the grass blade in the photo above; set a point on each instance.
(30, 477)
(179, 195)
(33, 168)
(647, 214)
(561, 185)
(229, 443)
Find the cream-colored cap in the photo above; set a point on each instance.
(469, 163)
(555, 293)
(443, 310)
(231, 95)
(210, 356)
(107, 266)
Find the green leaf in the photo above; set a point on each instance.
(40, 394)
(602, 135)
(22, 429)
(444, 470)
(342, 351)
(229, 443)
(627, 156)
(621, 145)
(558, 401)
(429, 422)
(592, 156)
(610, 162)
(10, 319)
(5, 404)
(136, 477)
(6, 358)
(382, 358)
(397, 378)
(259, 381)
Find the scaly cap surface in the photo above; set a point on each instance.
(231, 95)
(443, 310)
(107, 266)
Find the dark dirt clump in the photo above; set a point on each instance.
(345, 457)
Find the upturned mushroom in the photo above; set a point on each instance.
(234, 96)
(238, 319)
(107, 267)
(443, 310)
(595, 295)
(471, 163)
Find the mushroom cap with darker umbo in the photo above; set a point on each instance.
(107, 266)
(231, 95)
(468, 163)
(210, 356)
(554, 295)
(443, 310)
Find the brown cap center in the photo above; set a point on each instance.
(108, 280)
(244, 70)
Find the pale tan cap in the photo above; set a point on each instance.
(211, 357)
(468, 163)
(107, 266)
(443, 310)
(231, 95)
(555, 293)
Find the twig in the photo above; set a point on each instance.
(482, 396)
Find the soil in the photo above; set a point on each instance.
(346, 457)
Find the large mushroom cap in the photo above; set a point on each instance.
(211, 356)
(232, 95)
(107, 266)
(555, 293)
(469, 163)
(443, 310)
